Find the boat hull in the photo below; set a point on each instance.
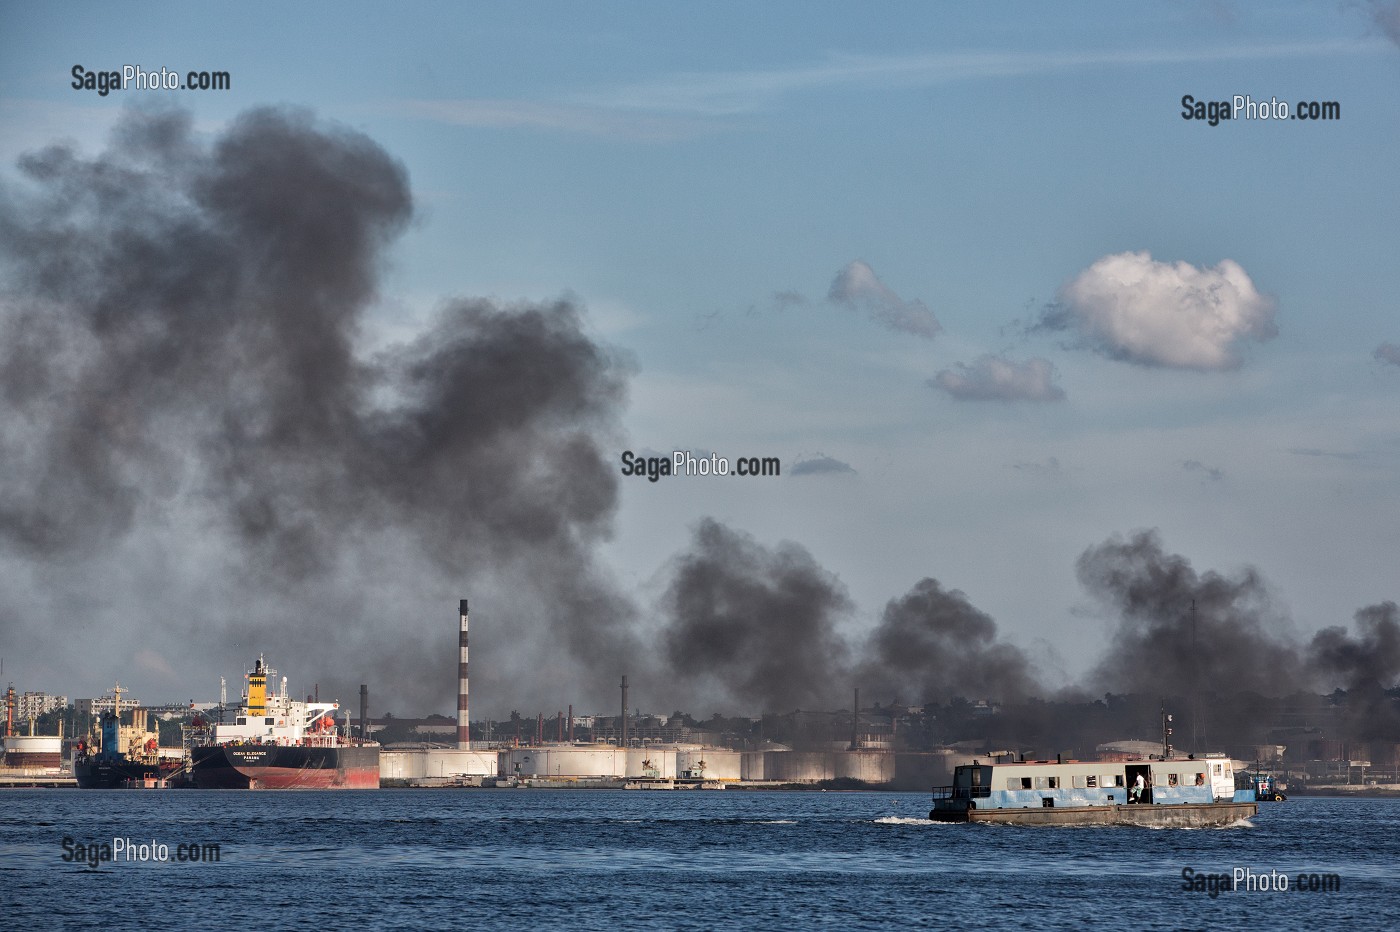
(1201, 815)
(277, 767)
(99, 774)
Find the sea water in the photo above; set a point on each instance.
(609, 860)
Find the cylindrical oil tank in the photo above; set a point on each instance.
(564, 761)
(656, 761)
(798, 766)
(33, 751)
(708, 763)
(920, 770)
(867, 766)
(751, 766)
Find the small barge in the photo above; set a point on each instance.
(1185, 792)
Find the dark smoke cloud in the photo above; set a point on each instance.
(1231, 642)
(755, 625)
(933, 644)
(180, 324)
(758, 627)
(1371, 659)
(1366, 666)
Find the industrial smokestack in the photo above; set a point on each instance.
(464, 734)
(571, 723)
(855, 720)
(623, 742)
(364, 709)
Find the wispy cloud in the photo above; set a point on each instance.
(562, 117)
(994, 378)
(1388, 352)
(1386, 15)
(1210, 472)
(1334, 454)
(858, 287)
(1049, 467)
(819, 465)
(686, 104)
(730, 93)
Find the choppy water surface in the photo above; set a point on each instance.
(664, 860)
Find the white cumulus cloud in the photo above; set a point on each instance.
(994, 378)
(1133, 307)
(859, 288)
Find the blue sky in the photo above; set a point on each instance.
(699, 175)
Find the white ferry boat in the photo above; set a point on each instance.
(1171, 791)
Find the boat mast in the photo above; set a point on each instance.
(1166, 732)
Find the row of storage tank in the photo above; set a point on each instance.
(672, 762)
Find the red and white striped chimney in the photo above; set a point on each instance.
(464, 736)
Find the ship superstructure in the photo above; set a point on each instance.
(275, 742)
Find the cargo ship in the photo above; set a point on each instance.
(276, 743)
(1187, 792)
(124, 756)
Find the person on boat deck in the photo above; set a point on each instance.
(1138, 786)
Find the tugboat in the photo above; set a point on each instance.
(1267, 787)
(122, 761)
(276, 743)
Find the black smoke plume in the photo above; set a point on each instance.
(755, 625)
(1180, 631)
(1366, 667)
(933, 644)
(760, 627)
(192, 426)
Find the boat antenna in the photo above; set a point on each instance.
(1166, 732)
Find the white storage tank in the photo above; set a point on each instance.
(657, 761)
(751, 766)
(564, 760)
(708, 763)
(870, 766)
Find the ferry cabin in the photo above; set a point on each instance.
(1055, 784)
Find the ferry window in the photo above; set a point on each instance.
(1025, 783)
(1200, 779)
(1171, 779)
(1042, 783)
(1054, 783)
(267, 721)
(1013, 783)
(1217, 770)
(1078, 782)
(1091, 781)
(242, 720)
(1113, 779)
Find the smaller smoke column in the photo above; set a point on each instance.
(623, 742)
(464, 735)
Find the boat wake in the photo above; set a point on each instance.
(905, 820)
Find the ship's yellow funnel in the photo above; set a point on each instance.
(257, 690)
